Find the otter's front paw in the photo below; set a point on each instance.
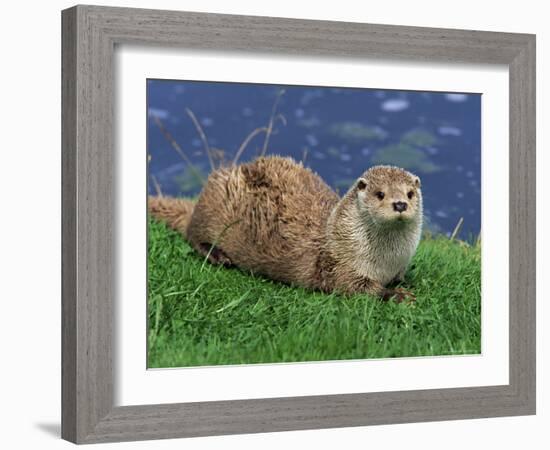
(399, 295)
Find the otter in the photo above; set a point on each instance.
(279, 219)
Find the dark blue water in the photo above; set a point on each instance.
(338, 133)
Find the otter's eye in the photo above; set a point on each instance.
(410, 194)
(380, 195)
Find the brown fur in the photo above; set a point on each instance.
(277, 218)
(175, 212)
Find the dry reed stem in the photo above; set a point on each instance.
(157, 186)
(304, 154)
(457, 228)
(245, 143)
(202, 136)
(272, 120)
(168, 136)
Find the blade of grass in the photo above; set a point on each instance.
(216, 242)
(234, 302)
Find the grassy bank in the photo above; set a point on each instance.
(200, 314)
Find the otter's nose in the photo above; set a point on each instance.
(399, 206)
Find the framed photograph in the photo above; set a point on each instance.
(278, 224)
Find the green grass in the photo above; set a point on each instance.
(200, 314)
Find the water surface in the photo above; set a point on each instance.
(337, 132)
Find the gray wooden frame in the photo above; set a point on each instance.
(89, 37)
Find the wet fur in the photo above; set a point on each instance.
(277, 218)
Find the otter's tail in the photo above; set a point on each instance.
(175, 212)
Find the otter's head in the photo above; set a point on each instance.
(389, 195)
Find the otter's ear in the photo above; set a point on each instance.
(417, 182)
(361, 184)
